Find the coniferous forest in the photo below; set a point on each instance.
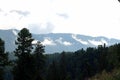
(32, 63)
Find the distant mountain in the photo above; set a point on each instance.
(57, 42)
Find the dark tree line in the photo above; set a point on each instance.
(32, 64)
(83, 64)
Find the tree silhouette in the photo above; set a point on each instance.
(3, 59)
(39, 60)
(24, 67)
(53, 72)
(63, 66)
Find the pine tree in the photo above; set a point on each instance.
(39, 60)
(24, 67)
(3, 59)
(53, 71)
(63, 66)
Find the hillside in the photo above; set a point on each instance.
(57, 42)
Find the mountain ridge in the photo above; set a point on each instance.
(58, 42)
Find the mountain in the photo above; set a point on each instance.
(57, 42)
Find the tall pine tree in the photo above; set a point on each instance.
(3, 59)
(24, 67)
(39, 60)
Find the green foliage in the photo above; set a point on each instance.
(3, 55)
(3, 59)
(113, 75)
(63, 66)
(28, 66)
(24, 66)
(113, 57)
(39, 61)
(24, 43)
(53, 71)
(83, 64)
(1, 74)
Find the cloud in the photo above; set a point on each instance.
(104, 41)
(0, 10)
(66, 43)
(48, 41)
(35, 42)
(96, 43)
(42, 28)
(79, 40)
(23, 13)
(64, 15)
(74, 16)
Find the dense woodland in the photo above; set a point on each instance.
(30, 63)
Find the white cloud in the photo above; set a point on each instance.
(66, 43)
(15, 32)
(59, 40)
(104, 41)
(48, 41)
(79, 40)
(41, 28)
(23, 13)
(96, 43)
(35, 41)
(89, 17)
(65, 16)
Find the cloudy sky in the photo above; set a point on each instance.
(88, 17)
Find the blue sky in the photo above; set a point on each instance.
(88, 17)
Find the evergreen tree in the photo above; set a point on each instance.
(53, 72)
(24, 67)
(63, 66)
(39, 60)
(3, 59)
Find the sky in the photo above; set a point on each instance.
(87, 17)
